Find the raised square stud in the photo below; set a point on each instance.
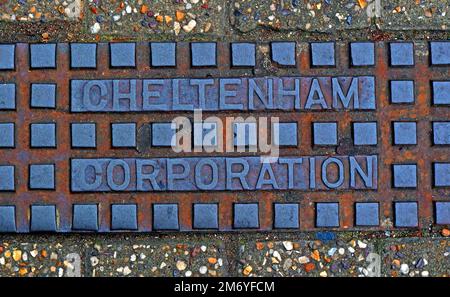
(6, 135)
(165, 217)
(43, 55)
(406, 214)
(43, 218)
(286, 216)
(83, 135)
(163, 54)
(7, 218)
(7, 52)
(441, 92)
(322, 54)
(43, 135)
(83, 55)
(243, 54)
(7, 182)
(401, 53)
(442, 174)
(367, 214)
(405, 133)
(327, 214)
(441, 133)
(85, 217)
(362, 53)
(325, 134)
(285, 134)
(365, 133)
(123, 54)
(43, 95)
(440, 52)
(245, 134)
(7, 96)
(124, 217)
(283, 53)
(442, 210)
(123, 134)
(206, 216)
(405, 175)
(205, 134)
(42, 177)
(246, 216)
(163, 134)
(402, 91)
(203, 54)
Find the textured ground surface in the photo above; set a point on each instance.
(423, 253)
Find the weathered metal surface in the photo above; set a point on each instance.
(430, 154)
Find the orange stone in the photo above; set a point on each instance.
(212, 260)
(144, 9)
(445, 232)
(159, 18)
(179, 15)
(315, 255)
(362, 3)
(309, 267)
(23, 271)
(259, 246)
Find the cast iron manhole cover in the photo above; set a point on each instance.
(219, 136)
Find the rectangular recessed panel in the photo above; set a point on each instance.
(140, 137)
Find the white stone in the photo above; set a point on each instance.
(341, 251)
(190, 26)
(133, 258)
(2, 261)
(181, 265)
(188, 273)
(95, 28)
(203, 269)
(163, 264)
(116, 17)
(277, 255)
(94, 261)
(332, 251)
(425, 273)
(404, 268)
(34, 253)
(126, 270)
(203, 248)
(128, 9)
(362, 245)
(351, 250)
(323, 274)
(288, 245)
(303, 260)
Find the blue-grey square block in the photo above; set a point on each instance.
(283, 53)
(441, 92)
(123, 54)
(243, 54)
(6, 135)
(325, 133)
(163, 54)
(440, 53)
(7, 52)
(83, 135)
(401, 53)
(442, 174)
(406, 214)
(43, 218)
(286, 216)
(165, 217)
(43, 135)
(163, 134)
(43, 95)
(83, 55)
(367, 214)
(43, 55)
(322, 54)
(7, 218)
(405, 175)
(285, 134)
(362, 53)
(402, 91)
(246, 216)
(123, 134)
(7, 182)
(206, 216)
(442, 213)
(327, 214)
(85, 217)
(7, 96)
(365, 133)
(441, 133)
(124, 217)
(405, 133)
(42, 177)
(203, 54)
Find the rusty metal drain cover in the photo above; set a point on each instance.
(208, 136)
